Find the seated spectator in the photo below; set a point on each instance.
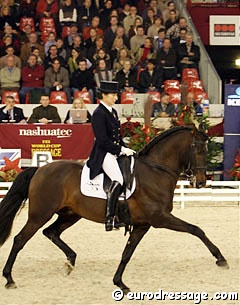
(118, 63)
(133, 29)
(164, 108)
(27, 48)
(181, 39)
(144, 53)
(150, 79)
(127, 78)
(166, 13)
(78, 44)
(105, 14)
(86, 13)
(45, 113)
(53, 54)
(188, 54)
(174, 31)
(155, 27)
(83, 79)
(6, 15)
(173, 19)
(118, 44)
(128, 22)
(32, 77)
(10, 76)
(77, 103)
(94, 25)
(68, 40)
(36, 52)
(102, 72)
(10, 51)
(8, 41)
(51, 41)
(149, 19)
(73, 60)
(28, 8)
(60, 48)
(67, 13)
(124, 13)
(24, 35)
(47, 9)
(99, 44)
(101, 54)
(110, 32)
(10, 112)
(167, 60)
(158, 42)
(137, 40)
(120, 33)
(91, 41)
(57, 79)
(153, 5)
(190, 101)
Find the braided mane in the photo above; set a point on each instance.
(162, 136)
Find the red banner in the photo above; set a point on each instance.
(63, 140)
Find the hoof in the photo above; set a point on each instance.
(222, 263)
(68, 268)
(11, 286)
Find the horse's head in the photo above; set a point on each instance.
(198, 158)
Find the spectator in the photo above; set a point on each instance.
(77, 103)
(105, 14)
(77, 44)
(35, 51)
(127, 78)
(153, 5)
(118, 44)
(6, 15)
(10, 51)
(67, 13)
(110, 32)
(32, 78)
(27, 48)
(57, 79)
(47, 9)
(6, 41)
(86, 13)
(174, 31)
(101, 54)
(190, 101)
(173, 19)
(60, 48)
(158, 42)
(45, 113)
(24, 36)
(120, 33)
(133, 29)
(128, 22)
(124, 13)
(144, 53)
(95, 25)
(73, 61)
(137, 40)
(50, 42)
(119, 61)
(149, 19)
(167, 12)
(68, 40)
(91, 41)
(99, 44)
(181, 39)
(28, 8)
(10, 76)
(10, 112)
(151, 78)
(83, 79)
(167, 60)
(164, 108)
(155, 27)
(188, 54)
(53, 54)
(102, 72)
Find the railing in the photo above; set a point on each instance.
(215, 191)
(213, 3)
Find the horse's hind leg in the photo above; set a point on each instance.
(135, 237)
(173, 223)
(30, 228)
(65, 220)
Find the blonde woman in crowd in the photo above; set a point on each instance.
(123, 55)
(78, 103)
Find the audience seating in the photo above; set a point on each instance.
(85, 95)
(139, 72)
(27, 20)
(175, 96)
(199, 94)
(127, 97)
(46, 26)
(155, 96)
(11, 93)
(190, 74)
(58, 97)
(172, 83)
(191, 84)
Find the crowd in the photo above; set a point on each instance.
(140, 44)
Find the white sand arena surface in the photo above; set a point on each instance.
(167, 260)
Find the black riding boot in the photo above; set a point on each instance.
(112, 199)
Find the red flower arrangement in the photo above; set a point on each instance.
(138, 134)
(9, 172)
(235, 170)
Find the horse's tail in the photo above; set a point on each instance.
(13, 200)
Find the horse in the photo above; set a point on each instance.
(54, 188)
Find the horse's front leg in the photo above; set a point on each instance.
(171, 222)
(135, 237)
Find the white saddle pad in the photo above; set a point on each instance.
(94, 187)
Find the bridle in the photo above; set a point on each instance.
(192, 167)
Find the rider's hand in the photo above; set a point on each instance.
(127, 151)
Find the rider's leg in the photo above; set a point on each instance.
(111, 168)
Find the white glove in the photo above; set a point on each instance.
(127, 151)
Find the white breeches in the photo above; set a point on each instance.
(111, 168)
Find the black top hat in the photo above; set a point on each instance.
(108, 87)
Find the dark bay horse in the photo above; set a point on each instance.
(54, 188)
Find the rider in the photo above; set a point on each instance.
(108, 146)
